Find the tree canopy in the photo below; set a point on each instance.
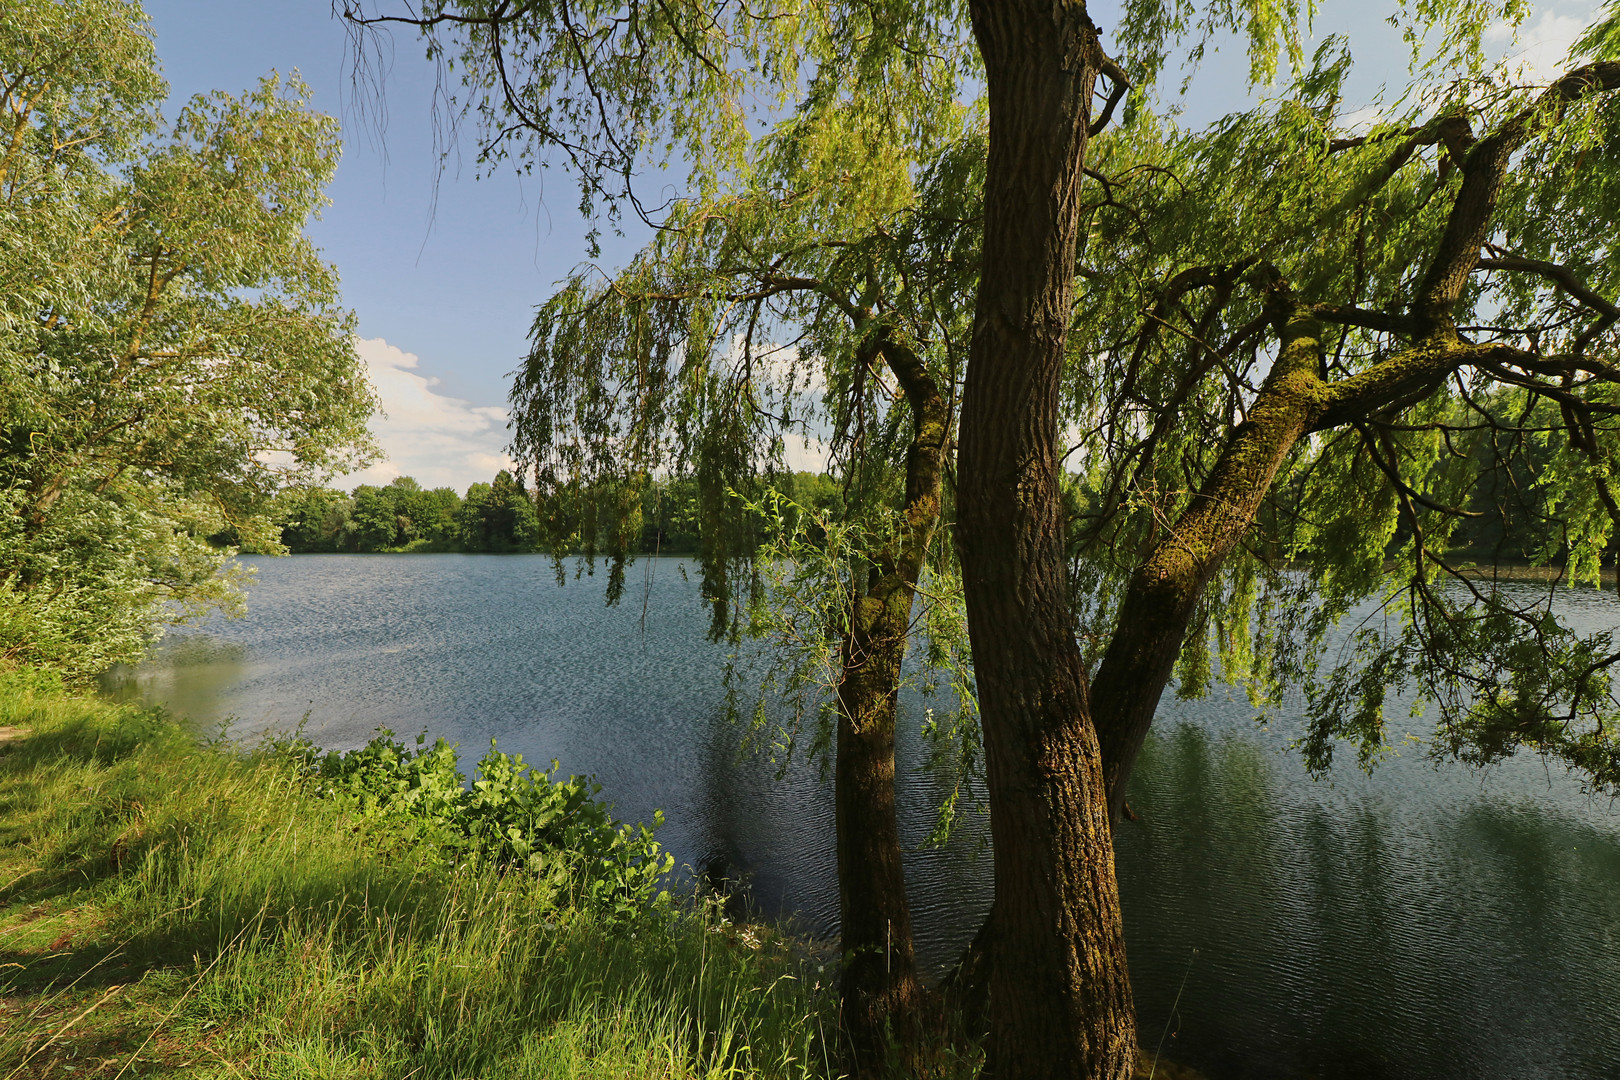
(1275, 354)
(1441, 270)
(172, 346)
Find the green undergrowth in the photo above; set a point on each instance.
(174, 908)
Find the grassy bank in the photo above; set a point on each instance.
(170, 908)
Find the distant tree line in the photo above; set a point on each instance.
(505, 516)
(500, 516)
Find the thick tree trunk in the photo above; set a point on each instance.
(1060, 995)
(1164, 591)
(882, 997)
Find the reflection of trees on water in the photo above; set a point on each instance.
(189, 673)
(1550, 883)
(950, 887)
(721, 850)
(772, 837)
(769, 837)
(1374, 934)
(1197, 871)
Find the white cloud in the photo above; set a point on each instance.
(447, 442)
(441, 441)
(1536, 53)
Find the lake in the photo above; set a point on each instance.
(1420, 923)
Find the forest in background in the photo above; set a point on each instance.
(501, 516)
(506, 516)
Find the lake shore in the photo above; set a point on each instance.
(173, 907)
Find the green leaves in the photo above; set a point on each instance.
(1601, 40)
(1475, 280)
(613, 89)
(172, 345)
(511, 816)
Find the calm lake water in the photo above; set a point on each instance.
(1420, 923)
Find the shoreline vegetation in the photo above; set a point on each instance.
(170, 906)
(176, 906)
(502, 516)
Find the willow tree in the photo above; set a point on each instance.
(609, 83)
(826, 299)
(171, 345)
(794, 287)
(1339, 348)
(1297, 350)
(1060, 735)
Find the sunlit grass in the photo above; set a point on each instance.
(167, 908)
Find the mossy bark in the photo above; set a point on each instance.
(883, 1001)
(1164, 591)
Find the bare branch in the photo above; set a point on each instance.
(1563, 275)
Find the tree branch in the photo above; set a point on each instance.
(1484, 171)
(1562, 275)
(1345, 315)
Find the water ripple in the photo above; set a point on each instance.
(1419, 923)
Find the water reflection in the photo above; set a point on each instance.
(1419, 923)
(1413, 935)
(190, 673)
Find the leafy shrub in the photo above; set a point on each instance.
(512, 815)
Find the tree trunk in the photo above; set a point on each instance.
(1163, 592)
(1060, 995)
(882, 997)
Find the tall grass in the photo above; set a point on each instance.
(253, 929)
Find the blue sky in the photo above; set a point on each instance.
(444, 270)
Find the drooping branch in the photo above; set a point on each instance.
(1381, 449)
(1450, 129)
(1120, 86)
(1561, 275)
(1484, 172)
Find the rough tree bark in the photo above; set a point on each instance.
(1060, 995)
(882, 997)
(1164, 591)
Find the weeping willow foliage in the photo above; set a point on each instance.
(806, 133)
(748, 321)
(1503, 407)
(683, 88)
(752, 321)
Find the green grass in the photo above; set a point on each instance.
(169, 908)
